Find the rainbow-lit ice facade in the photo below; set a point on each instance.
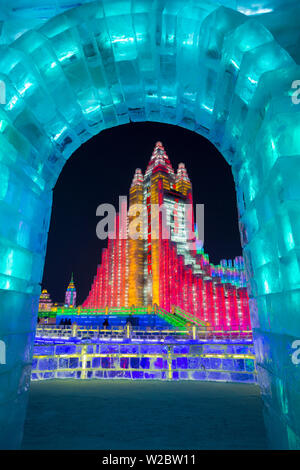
(225, 69)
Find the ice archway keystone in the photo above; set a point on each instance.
(194, 64)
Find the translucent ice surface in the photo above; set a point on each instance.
(227, 70)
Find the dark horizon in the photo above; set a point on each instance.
(102, 170)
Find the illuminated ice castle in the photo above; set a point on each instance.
(166, 271)
(70, 296)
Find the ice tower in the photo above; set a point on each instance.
(228, 70)
(70, 296)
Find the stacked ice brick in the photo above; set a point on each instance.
(196, 64)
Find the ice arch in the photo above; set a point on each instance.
(194, 64)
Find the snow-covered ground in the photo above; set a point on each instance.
(116, 414)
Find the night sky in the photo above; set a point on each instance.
(102, 169)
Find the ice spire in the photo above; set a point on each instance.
(160, 159)
(72, 281)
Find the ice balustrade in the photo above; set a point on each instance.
(217, 362)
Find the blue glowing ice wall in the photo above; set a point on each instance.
(224, 73)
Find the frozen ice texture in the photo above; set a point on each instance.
(223, 69)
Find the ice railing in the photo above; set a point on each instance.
(128, 332)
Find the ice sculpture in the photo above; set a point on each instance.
(227, 70)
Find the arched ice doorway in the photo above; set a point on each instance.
(195, 64)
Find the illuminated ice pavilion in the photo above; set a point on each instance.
(70, 296)
(226, 69)
(45, 303)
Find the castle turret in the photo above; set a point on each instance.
(70, 297)
(160, 163)
(182, 180)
